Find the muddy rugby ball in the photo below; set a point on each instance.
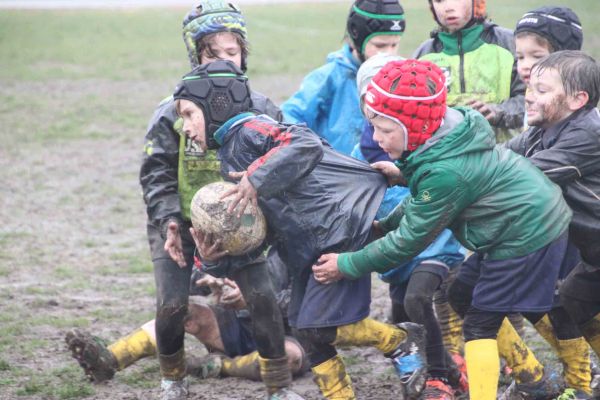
(238, 234)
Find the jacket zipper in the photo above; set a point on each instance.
(461, 65)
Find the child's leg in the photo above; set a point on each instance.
(559, 330)
(581, 299)
(510, 345)
(267, 323)
(450, 322)
(418, 303)
(404, 342)
(481, 352)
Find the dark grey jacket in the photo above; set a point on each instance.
(161, 164)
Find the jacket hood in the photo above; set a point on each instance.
(344, 58)
(463, 131)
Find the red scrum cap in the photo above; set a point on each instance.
(411, 93)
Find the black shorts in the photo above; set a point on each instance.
(583, 283)
(519, 284)
(236, 331)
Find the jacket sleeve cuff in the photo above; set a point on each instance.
(346, 266)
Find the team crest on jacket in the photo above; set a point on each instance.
(425, 196)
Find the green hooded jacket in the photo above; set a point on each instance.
(493, 200)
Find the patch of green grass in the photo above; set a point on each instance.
(4, 365)
(65, 272)
(62, 383)
(292, 38)
(42, 290)
(58, 321)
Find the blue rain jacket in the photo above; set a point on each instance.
(327, 102)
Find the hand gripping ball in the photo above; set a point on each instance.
(209, 214)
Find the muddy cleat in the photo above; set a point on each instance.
(410, 360)
(205, 367)
(174, 390)
(573, 394)
(546, 388)
(457, 374)
(98, 363)
(437, 389)
(284, 394)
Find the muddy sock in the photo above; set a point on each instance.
(173, 366)
(575, 357)
(332, 379)
(275, 373)
(133, 347)
(368, 332)
(246, 366)
(451, 327)
(591, 332)
(526, 368)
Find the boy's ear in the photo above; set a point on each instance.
(578, 100)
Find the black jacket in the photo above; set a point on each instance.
(569, 154)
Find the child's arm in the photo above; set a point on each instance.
(575, 155)
(158, 173)
(441, 196)
(287, 153)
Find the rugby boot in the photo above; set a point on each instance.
(437, 389)
(546, 388)
(573, 394)
(457, 373)
(409, 359)
(92, 354)
(174, 390)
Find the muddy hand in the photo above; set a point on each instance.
(485, 109)
(326, 269)
(232, 295)
(243, 193)
(209, 249)
(173, 244)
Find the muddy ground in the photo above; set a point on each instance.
(74, 251)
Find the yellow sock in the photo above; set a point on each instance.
(546, 330)
(452, 327)
(275, 373)
(331, 377)
(246, 366)
(483, 368)
(526, 368)
(575, 357)
(591, 332)
(133, 347)
(368, 332)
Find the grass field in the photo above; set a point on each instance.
(77, 89)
